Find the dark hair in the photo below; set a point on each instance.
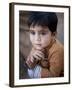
(48, 19)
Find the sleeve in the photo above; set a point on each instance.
(55, 65)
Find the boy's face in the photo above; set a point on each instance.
(40, 37)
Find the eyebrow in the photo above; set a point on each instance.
(43, 30)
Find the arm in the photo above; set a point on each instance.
(55, 65)
(34, 57)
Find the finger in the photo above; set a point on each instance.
(39, 55)
(36, 57)
(29, 61)
(32, 59)
(30, 64)
(40, 52)
(37, 51)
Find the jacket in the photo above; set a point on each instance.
(53, 66)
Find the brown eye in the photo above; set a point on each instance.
(32, 32)
(43, 33)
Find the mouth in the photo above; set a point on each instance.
(38, 44)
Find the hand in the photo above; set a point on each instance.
(30, 63)
(34, 57)
(44, 63)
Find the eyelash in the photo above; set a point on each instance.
(33, 33)
(42, 33)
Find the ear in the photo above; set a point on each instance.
(54, 33)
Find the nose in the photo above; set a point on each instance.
(37, 37)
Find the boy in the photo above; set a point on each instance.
(46, 58)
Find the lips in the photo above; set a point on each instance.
(38, 44)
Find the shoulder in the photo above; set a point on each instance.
(57, 46)
(56, 49)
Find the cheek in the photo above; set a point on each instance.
(31, 38)
(46, 39)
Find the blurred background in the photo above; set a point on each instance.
(24, 40)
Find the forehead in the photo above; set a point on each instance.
(38, 28)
